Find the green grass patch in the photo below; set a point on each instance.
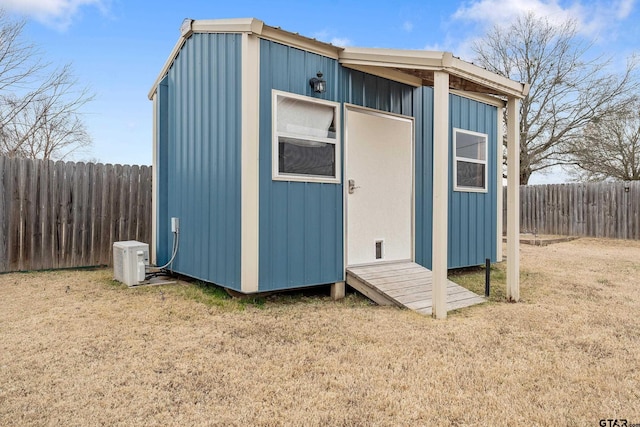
(199, 291)
(213, 296)
(202, 292)
(473, 279)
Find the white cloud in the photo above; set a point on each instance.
(592, 18)
(407, 26)
(326, 35)
(340, 41)
(625, 7)
(492, 12)
(434, 47)
(461, 48)
(55, 13)
(321, 35)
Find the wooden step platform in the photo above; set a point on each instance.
(405, 284)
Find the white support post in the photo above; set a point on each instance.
(499, 184)
(513, 199)
(154, 180)
(440, 193)
(249, 163)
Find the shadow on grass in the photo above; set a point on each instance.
(212, 295)
(473, 279)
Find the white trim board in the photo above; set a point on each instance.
(275, 173)
(456, 158)
(250, 164)
(499, 184)
(154, 180)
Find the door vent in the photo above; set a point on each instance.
(379, 249)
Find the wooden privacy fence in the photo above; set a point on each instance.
(64, 214)
(606, 209)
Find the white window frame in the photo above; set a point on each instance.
(276, 175)
(457, 158)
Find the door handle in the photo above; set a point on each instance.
(352, 186)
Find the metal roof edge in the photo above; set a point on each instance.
(386, 73)
(190, 26)
(398, 58)
(480, 97)
(433, 61)
(244, 26)
(485, 77)
(355, 57)
(299, 41)
(236, 25)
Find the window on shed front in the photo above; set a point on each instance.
(305, 142)
(470, 164)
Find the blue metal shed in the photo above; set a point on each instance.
(278, 184)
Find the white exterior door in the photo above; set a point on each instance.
(378, 186)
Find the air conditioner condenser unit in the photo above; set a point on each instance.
(130, 259)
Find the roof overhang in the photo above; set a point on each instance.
(413, 67)
(416, 67)
(244, 26)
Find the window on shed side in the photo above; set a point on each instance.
(306, 144)
(470, 160)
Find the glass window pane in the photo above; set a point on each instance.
(305, 118)
(470, 174)
(470, 146)
(300, 156)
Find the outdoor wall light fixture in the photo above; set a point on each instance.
(318, 84)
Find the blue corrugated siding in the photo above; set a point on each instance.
(424, 175)
(203, 159)
(472, 216)
(300, 223)
(375, 92)
(163, 244)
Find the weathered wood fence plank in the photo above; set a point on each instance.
(605, 209)
(64, 214)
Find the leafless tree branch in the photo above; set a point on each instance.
(569, 90)
(40, 107)
(610, 147)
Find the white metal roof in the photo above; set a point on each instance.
(414, 67)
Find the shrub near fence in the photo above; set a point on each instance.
(64, 214)
(605, 209)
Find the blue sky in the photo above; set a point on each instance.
(117, 47)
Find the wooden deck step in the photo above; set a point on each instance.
(405, 284)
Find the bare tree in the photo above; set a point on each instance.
(568, 89)
(39, 106)
(610, 147)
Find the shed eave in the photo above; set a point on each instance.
(474, 73)
(407, 66)
(236, 25)
(386, 73)
(417, 62)
(301, 42)
(239, 25)
(397, 58)
(166, 66)
(245, 26)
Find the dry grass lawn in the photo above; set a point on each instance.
(76, 349)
